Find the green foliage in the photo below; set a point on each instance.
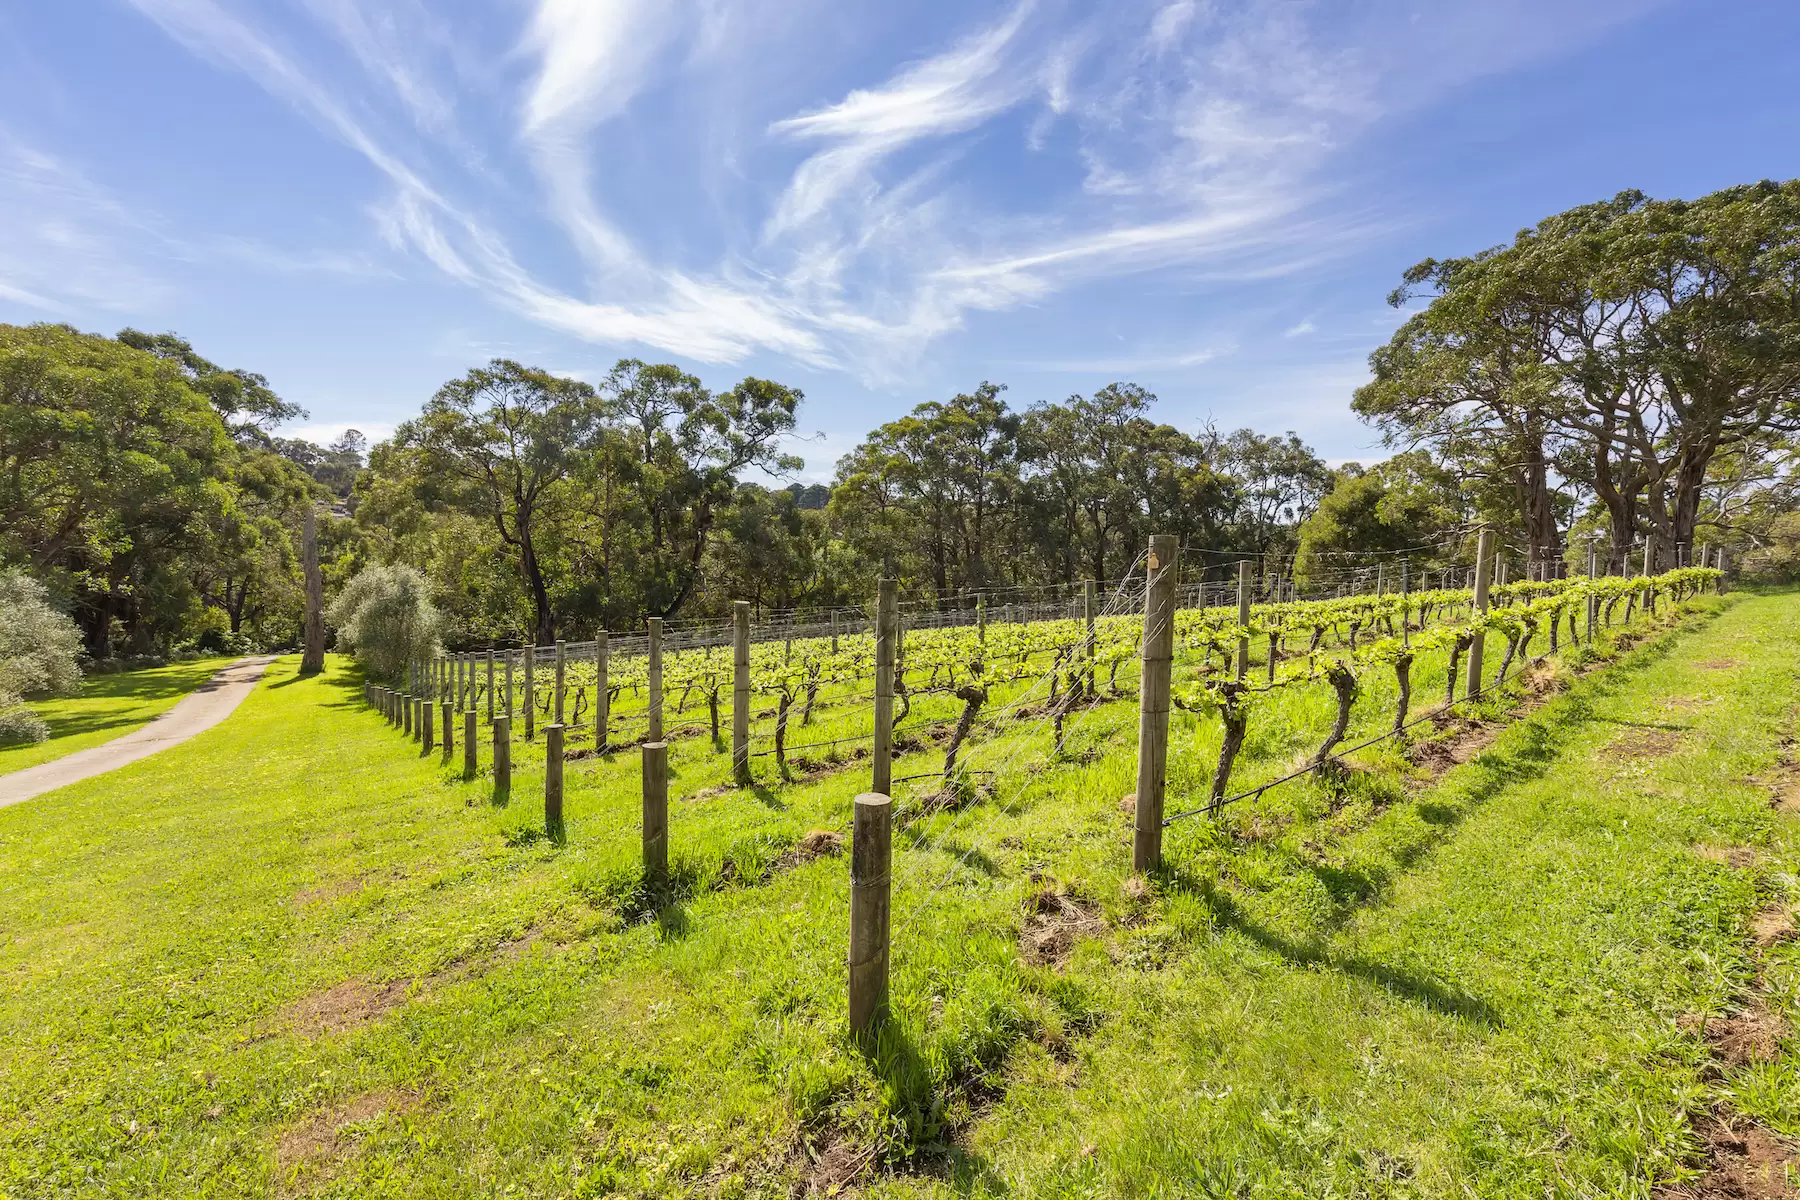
(385, 615)
(40, 651)
(1405, 503)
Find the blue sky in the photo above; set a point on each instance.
(879, 203)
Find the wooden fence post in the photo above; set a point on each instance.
(406, 713)
(471, 767)
(886, 635)
(557, 699)
(834, 631)
(490, 687)
(502, 728)
(449, 711)
(871, 867)
(1593, 600)
(428, 738)
(740, 692)
(602, 691)
(553, 781)
(510, 655)
(656, 812)
(1158, 655)
(531, 692)
(1243, 619)
(654, 667)
(1484, 558)
(1090, 612)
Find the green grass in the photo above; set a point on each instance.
(294, 957)
(106, 707)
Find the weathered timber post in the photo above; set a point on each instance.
(490, 687)
(1484, 557)
(1593, 599)
(656, 812)
(561, 659)
(531, 692)
(656, 679)
(428, 738)
(313, 660)
(834, 631)
(871, 870)
(502, 728)
(1158, 655)
(449, 711)
(470, 766)
(406, 713)
(1090, 611)
(602, 690)
(740, 692)
(1405, 604)
(509, 686)
(1243, 619)
(553, 781)
(887, 628)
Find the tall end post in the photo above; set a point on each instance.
(871, 892)
(656, 812)
(740, 692)
(1484, 560)
(1158, 655)
(887, 636)
(553, 781)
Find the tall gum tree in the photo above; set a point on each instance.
(500, 443)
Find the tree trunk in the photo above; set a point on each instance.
(313, 660)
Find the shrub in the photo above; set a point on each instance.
(386, 617)
(40, 655)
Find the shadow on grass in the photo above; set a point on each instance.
(1315, 953)
(1527, 752)
(930, 1147)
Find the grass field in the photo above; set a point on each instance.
(294, 957)
(107, 707)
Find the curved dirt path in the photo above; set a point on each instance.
(196, 712)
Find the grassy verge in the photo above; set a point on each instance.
(294, 957)
(107, 707)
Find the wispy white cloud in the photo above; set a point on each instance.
(950, 93)
(1179, 137)
(1299, 330)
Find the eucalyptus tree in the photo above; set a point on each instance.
(500, 444)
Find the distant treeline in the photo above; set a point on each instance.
(1628, 369)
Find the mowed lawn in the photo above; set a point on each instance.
(294, 957)
(106, 707)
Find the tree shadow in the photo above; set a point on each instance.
(766, 796)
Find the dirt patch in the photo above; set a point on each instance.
(1720, 664)
(1645, 743)
(1744, 1161)
(344, 1006)
(1739, 858)
(322, 1137)
(820, 843)
(1742, 1038)
(334, 890)
(1440, 754)
(831, 1163)
(1784, 787)
(1770, 927)
(1054, 922)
